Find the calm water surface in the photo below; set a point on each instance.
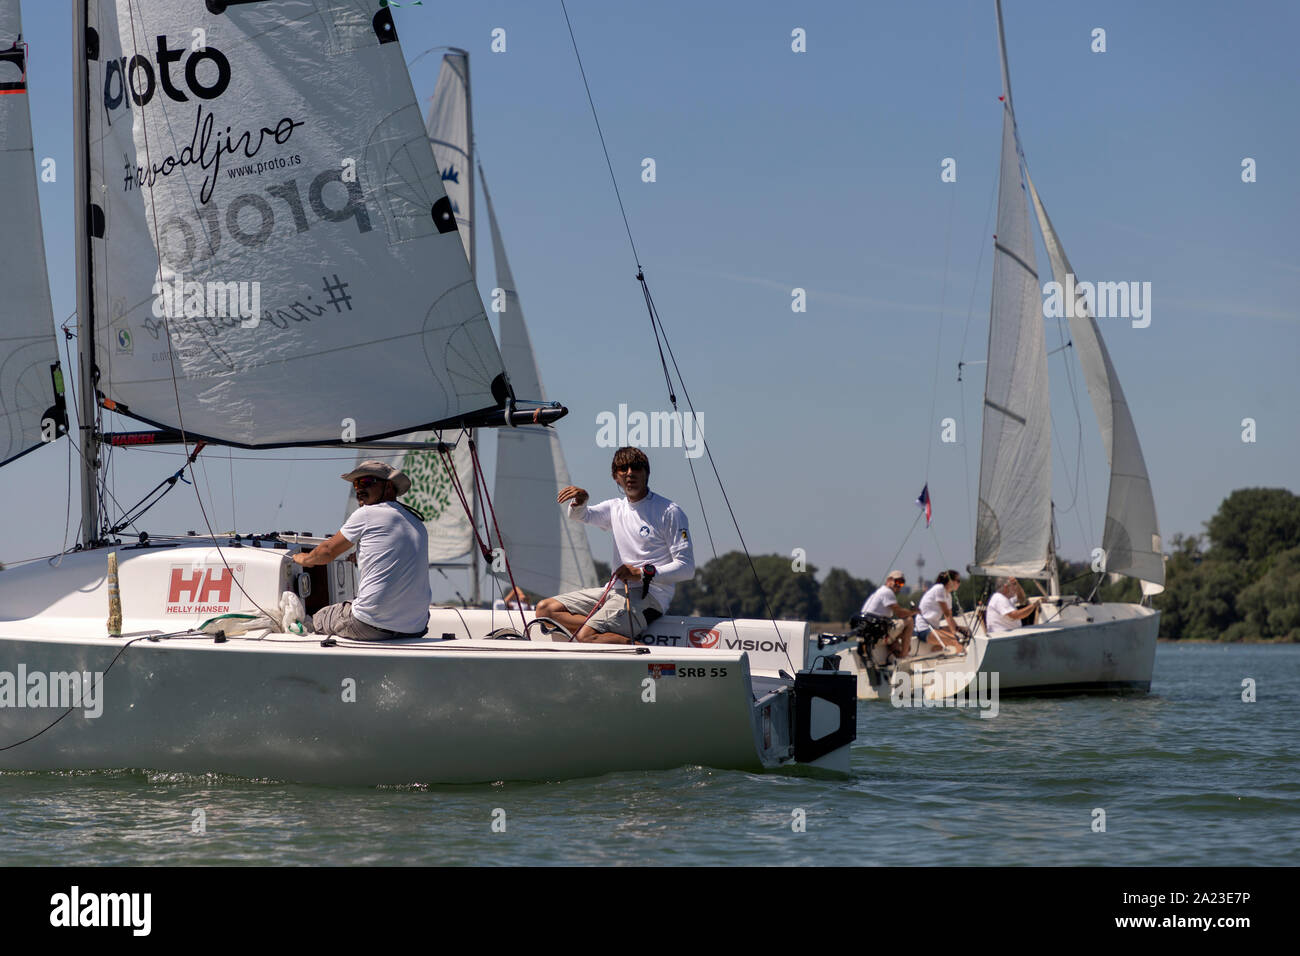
(1187, 775)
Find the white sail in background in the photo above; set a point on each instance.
(433, 494)
(548, 553)
(30, 383)
(274, 153)
(1131, 537)
(1013, 532)
(448, 127)
(451, 533)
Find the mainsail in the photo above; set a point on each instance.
(274, 258)
(1013, 531)
(1131, 537)
(548, 553)
(31, 383)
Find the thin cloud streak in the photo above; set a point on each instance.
(851, 301)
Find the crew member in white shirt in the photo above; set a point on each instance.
(1003, 614)
(652, 552)
(884, 603)
(935, 621)
(393, 593)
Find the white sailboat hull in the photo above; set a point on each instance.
(469, 713)
(1088, 648)
(434, 710)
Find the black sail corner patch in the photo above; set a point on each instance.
(385, 29)
(502, 392)
(443, 217)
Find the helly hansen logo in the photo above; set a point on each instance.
(200, 590)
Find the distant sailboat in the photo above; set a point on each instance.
(1074, 646)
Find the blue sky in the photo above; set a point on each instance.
(820, 170)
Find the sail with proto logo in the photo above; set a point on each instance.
(275, 260)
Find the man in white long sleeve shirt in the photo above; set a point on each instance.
(652, 552)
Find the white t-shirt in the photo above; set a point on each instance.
(932, 605)
(393, 559)
(650, 531)
(882, 602)
(996, 616)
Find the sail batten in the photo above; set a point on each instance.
(275, 259)
(31, 392)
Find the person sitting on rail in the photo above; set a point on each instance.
(652, 552)
(934, 621)
(884, 603)
(393, 593)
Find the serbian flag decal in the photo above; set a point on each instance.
(923, 501)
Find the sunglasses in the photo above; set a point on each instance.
(366, 481)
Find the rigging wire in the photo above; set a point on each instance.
(894, 559)
(481, 478)
(662, 343)
(947, 250)
(70, 379)
(98, 684)
(601, 134)
(171, 352)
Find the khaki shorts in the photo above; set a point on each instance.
(612, 618)
(337, 619)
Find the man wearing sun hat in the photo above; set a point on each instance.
(392, 543)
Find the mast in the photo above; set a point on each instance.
(86, 406)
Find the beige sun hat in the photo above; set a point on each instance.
(378, 469)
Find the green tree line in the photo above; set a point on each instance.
(1239, 580)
